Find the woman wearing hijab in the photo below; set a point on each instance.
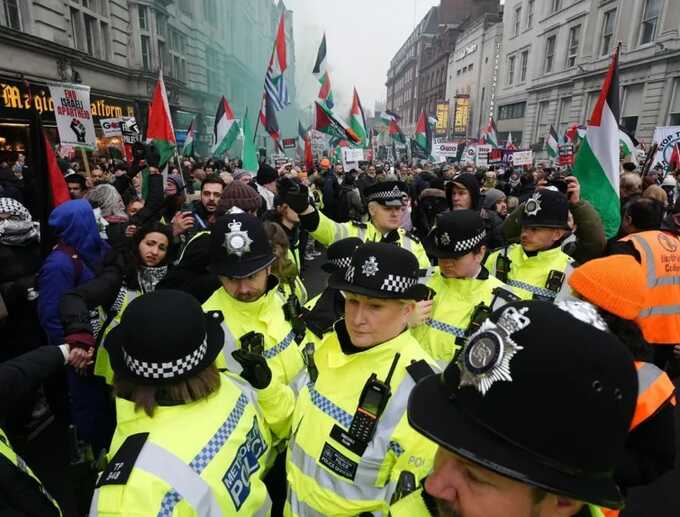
(75, 260)
(111, 211)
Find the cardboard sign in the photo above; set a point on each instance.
(520, 158)
(130, 130)
(111, 127)
(73, 114)
(352, 155)
(469, 155)
(289, 143)
(445, 149)
(483, 152)
(566, 154)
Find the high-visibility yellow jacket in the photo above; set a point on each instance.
(16, 460)
(329, 231)
(529, 275)
(324, 476)
(265, 316)
(453, 307)
(205, 459)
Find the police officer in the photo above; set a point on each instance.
(521, 431)
(386, 202)
(255, 312)
(537, 268)
(465, 291)
(321, 312)
(350, 439)
(189, 441)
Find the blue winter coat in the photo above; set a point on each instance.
(75, 226)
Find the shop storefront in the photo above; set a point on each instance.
(15, 116)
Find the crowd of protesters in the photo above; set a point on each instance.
(131, 232)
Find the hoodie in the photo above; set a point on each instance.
(75, 226)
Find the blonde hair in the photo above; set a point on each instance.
(657, 193)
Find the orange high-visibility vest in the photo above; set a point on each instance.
(654, 389)
(659, 320)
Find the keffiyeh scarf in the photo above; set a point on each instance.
(18, 229)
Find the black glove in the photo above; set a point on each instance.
(153, 157)
(255, 368)
(298, 199)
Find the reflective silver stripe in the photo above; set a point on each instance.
(647, 374)
(94, 504)
(362, 233)
(229, 346)
(340, 231)
(265, 509)
(181, 256)
(406, 243)
(300, 508)
(660, 310)
(652, 279)
(299, 381)
(360, 489)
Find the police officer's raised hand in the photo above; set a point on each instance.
(255, 368)
(298, 200)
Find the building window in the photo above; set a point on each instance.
(555, 5)
(523, 65)
(10, 15)
(76, 29)
(210, 11)
(143, 19)
(563, 121)
(549, 54)
(161, 25)
(650, 18)
(632, 107)
(674, 111)
(607, 31)
(146, 52)
(91, 36)
(516, 17)
(511, 70)
(572, 49)
(512, 111)
(542, 124)
(530, 13)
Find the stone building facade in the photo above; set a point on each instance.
(206, 49)
(555, 54)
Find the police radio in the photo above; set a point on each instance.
(503, 264)
(308, 358)
(406, 484)
(555, 281)
(480, 313)
(372, 402)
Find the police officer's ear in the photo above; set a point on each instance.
(372, 208)
(555, 505)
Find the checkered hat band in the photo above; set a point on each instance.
(397, 284)
(471, 243)
(386, 195)
(342, 263)
(167, 370)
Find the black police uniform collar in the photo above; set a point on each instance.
(346, 345)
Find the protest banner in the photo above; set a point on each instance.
(73, 115)
(520, 158)
(111, 127)
(667, 139)
(483, 152)
(566, 154)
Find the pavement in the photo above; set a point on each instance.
(48, 456)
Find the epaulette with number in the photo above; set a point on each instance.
(411, 235)
(359, 224)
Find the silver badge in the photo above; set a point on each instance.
(584, 311)
(370, 267)
(533, 205)
(237, 241)
(444, 239)
(487, 357)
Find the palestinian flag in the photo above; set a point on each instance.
(188, 148)
(552, 143)
(226, 129)
(597, 161)
(329, 124)
(508, 143)
(423, 136)
(489, 134)
(627, 145)
(249, 153)
(321, 73)
(159, 127)
(574, 134)
(358, 120)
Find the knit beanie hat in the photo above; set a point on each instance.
(491, 197)
(616, 284)
(238, 194)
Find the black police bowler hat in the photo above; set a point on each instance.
(387, 193)
(339, 254)
(379, 270)
(163, 337)
(455, 234)
(239, 246)
(537, 395)
(546, 208)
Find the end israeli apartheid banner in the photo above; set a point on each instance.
(73, 115)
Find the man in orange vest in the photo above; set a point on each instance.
(658, 251)
(618, 286)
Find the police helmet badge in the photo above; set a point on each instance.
(370, 267)
(488, 354)
(444, 239)
(237, 241)
(533, 205)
